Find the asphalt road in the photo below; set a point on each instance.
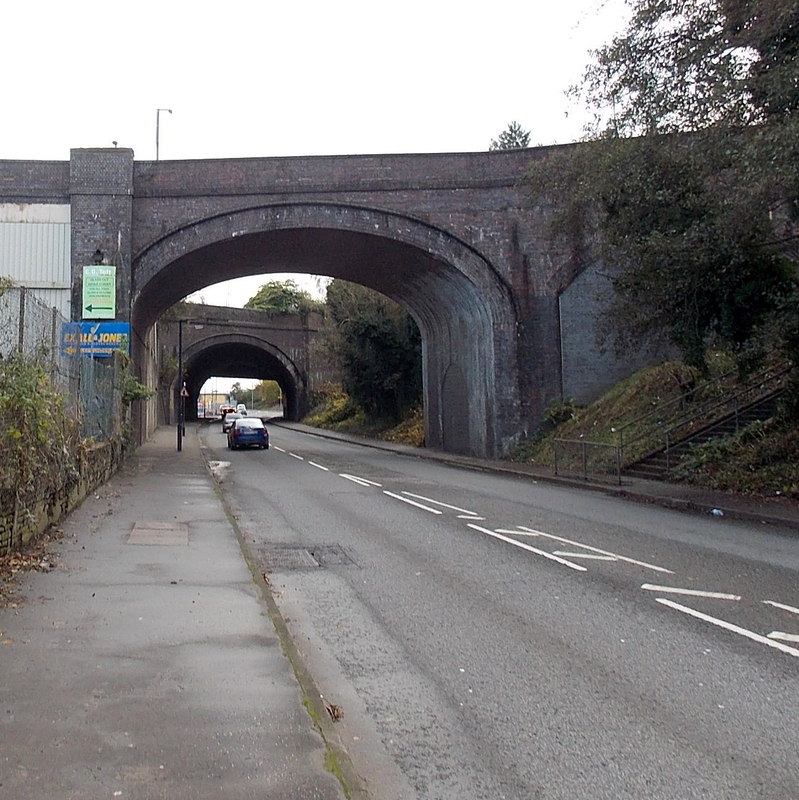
(493, 637)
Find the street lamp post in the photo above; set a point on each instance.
(158, 128)
(181, 386)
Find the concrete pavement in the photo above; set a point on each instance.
(146, 664)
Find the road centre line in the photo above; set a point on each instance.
(439, 503)
(756, 637)
(412, 502)
(279, 449)
(356, 479)
(694, 592)
(784, 637)
(532, 532)
(782, 606)
(523, 546)
(299, 458)
(318, 466)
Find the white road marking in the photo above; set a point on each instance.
(439, 503)
(532, 532)
(279, 449)
(412, 502)
(756, 637)
(694, 592)
(523, 546)
(784, 637)
(591, 556)
(782, 606)
(356, 479)
(299, 458)
(470, 516)
(318, 466)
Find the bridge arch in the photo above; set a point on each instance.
(244, 356)
(464, 308)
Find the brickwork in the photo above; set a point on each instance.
(458, 239)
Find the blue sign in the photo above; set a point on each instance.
(95, 338)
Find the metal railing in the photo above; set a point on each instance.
(90, 386)
(657, 433)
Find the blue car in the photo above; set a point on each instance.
(247, 432)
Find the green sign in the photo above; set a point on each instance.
(99, 292)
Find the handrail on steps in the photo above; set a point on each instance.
(767, 383)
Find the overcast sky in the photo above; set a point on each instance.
(314, 77)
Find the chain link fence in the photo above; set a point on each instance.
(90, 385)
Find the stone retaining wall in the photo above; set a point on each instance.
(96, 465)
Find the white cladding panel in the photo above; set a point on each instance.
(35, 250)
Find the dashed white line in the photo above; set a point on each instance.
(693, 592)
(299, 458)
(318, 466)
(782, 606)
(439, 503)
(279, 449)
(523, 546)
(524, 531)
(412, 502)
(756, 637)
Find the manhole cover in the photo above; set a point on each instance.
(165, 534)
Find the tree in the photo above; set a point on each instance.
(283, 297)
(513, 137)
(692, 189)
(379, 348)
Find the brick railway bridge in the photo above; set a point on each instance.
(506, 312)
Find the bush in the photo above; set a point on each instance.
(39, 441)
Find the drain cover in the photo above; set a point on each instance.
(282, 557)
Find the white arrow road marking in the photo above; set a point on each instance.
(756, 637)
(412, 502)
(784, 637)
(782, 606)
(590, 556)
(439, 503)
(694, 592)
(524, 531)
(356, 479)
(523, 546)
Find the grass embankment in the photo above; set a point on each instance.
(761, 459)
(335, 411)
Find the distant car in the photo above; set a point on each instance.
(241, 408)
(229, 419)
(225, 410)
(247, 432)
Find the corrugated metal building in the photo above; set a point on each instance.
(35, 250)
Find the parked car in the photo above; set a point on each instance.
(229, 419)
(248, 432)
